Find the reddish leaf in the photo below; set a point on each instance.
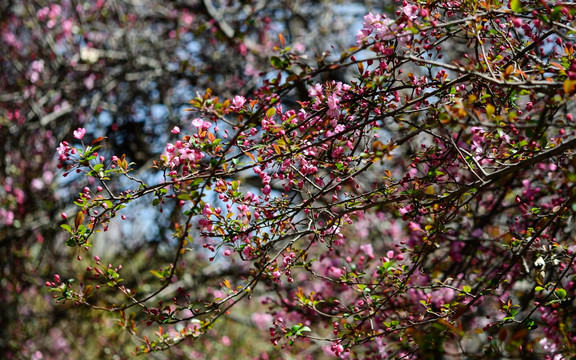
(79, 219)
(97, 140)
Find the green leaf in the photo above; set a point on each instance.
(157, 274)
(531, 324)
(278, 63)
(67, 228)
(538, 288)
(305, 328)
(98, 167)
(298, 329)
(184, 197)
(515, 5)
(467, 289)
(561, 293)
(271, 112)
(490, 111)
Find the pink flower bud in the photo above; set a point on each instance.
(266, 190)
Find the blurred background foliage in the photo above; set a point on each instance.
(124, 69)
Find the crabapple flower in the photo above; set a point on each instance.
(238, 102)
(315, 91)
(79, 133)
(201, 124)
(362, 35)
(333, 105)
(176, 130)
(207, 211)
(198, 122)
(63, 148)
(378, 24)
(411, 11)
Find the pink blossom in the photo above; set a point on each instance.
(176, 130)
(226, 341)
(6, 217)
(37, 184)
(361, 35)
(335, 272)
(333, 105)
(55, 10)
(413, 226)
(189, 154)
(384, 30)
(42, 14)
(299, 47)
(79, 133)
(371, 19)
(238, 102)
(411, 11)
(89, 81)
(187, 18)
(12, 40)
(377, 23)
(276, 275)
(262, 320)
(337, 349)
(243, 208)
(442, 296)
(198, 123)
(207, 211)
(315, 91)
(67, 26)
(37, 65)
(368, 250)
(63, 148)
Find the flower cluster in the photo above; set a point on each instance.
(451, 228)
